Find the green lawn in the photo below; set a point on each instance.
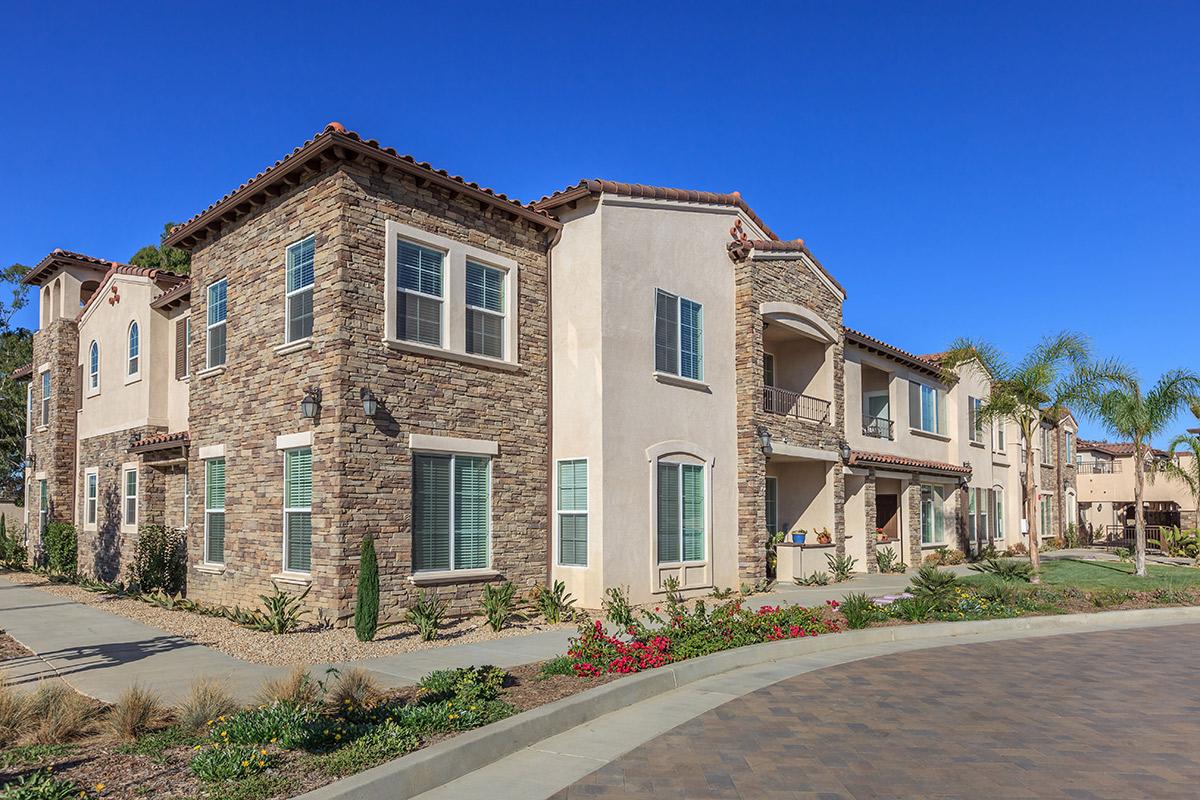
(1094, 575)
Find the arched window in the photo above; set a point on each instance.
(56, 306)
(94, 367)
(133, 349)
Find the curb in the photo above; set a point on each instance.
(441, 763)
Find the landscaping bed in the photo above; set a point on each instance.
(309, 644)
(10, 648)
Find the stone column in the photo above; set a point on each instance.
(912, 503)
(872, 564)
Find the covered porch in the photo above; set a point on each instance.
(801, 495)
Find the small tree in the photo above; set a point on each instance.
(1186, 470)
(366, 609)
(1139, 417)
(159, 559)
(59, 542)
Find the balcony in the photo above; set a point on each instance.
(1098, 467)
(877, 427)
(795, 404)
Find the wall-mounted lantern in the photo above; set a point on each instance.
(311, 402)
(369, 403)
(764, 437)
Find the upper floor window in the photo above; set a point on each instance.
(419, 278)
(183, 349)
(926, 408)
(1068, 448)
(46, 397)
(217, 318)
(134, 348)
(1047, 445)
(94, 367)
(975, 419)
(301, 257)
(1001, 435)
(678, 336)
(485, 310)
(768, 369)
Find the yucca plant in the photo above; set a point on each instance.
(555, 604)
(427, 613)
(841, 567)
(499, 603)
(282, 612)
(1009, 569)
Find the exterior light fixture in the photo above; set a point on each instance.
(369, 403)
(765, 438)
(963, 481)
(311, 402)
(844, 450)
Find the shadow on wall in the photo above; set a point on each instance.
(106, 551)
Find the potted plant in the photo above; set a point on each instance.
(798, 536)
(824, 537)
(880, 535)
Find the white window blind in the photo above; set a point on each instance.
(301, 259)
(572, 512)
(218, 313)
(214, 510)
(297, 509)
(419, 293)
(485, 310)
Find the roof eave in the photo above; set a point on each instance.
(35, 276)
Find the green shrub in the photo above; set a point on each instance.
(366, 607)
(59, 543)
(1000, 592)
(466, 684)
(32, 754)
(1008, 569)
(41, 785)
(284, 724)
(888, 561)
(159, 559)
(859, 609)
(499, 603)
(935, 584)
(1110, 597)
(820, 578)
(425, 719)
(945, 556)
(911, 609)
(841, 567)
(218, 762)
(555, 604)
(380, 743)
(428, 614)
(616, 607)
(555, 666)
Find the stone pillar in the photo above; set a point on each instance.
(912, 521)
(872, 564)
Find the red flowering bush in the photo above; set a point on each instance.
(594, 652)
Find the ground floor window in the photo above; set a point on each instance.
(214, 510)
(1047, 515)
(130, 483)
(979, 501)
(933, 514)
(43, 506)
(680, 512)
(451, 512)
(998, 498)
(772, 505)
(572, 512)
(91, 493)
(297, 509)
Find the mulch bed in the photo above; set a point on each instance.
(10, 648)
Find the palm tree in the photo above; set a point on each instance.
(1139, 416)
(1189, 474)
(1056, 374)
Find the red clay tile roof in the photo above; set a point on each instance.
(902, 461)
(597, 186)
(1114, 449)
(933, 358)
(337, 143)
(59, 256)
(171, 296)
(163, 278)
(22, 372)
(895, 353)
(157, 441)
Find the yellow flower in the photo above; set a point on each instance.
(245, 763)
(262, 752)
(99, 787)
(260, 763)
(338, 736)
(273, 739)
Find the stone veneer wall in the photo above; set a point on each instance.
(362, 467)
(106, 552)
(53, 446)
(758, 281)
(869, 511)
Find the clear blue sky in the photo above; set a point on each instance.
(997, 170)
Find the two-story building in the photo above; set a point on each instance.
(1106, 487)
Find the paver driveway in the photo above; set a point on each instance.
(1094, 715)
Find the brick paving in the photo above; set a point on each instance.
(1095, 715)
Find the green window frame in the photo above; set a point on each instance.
(419, 293)
(451, 512)
(297, 509)
(933, 514)
(572, 507)
(301, 264)
(214, 510)
(681, 524)
(129, 486)
(485, 310)
(46, 397)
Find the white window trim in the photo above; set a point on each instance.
(43, 379)
(204, 551)
(558, 513)
(454, 307)
(999, 436)
(135, 375)
(1047, 445)
(284, 571)
(209, 327)
(999, 520)
(287, 296)
(976, 432)
(706, 481)
(417, 574)
(936, 495)
(91, 505)
(126, 526)
(939, 397)
(505, 342)
(678, 373)
(93, 384)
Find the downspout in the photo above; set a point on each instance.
(550, 405)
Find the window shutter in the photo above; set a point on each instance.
(299, 479)
(914, 405)
(470, 512)
(666, 332)
(214, 484)
(181, 344)
(693, 512)
(298, 495)
(431, 512)
(668, 513)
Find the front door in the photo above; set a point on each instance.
(886, 517)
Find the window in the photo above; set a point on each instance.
(214, 510)
(975, 419)
(926, 408)
(1047, 515)
(768, 369)
(933, 515)
(43, 505)
(1068, 448)
(91, 495)
(681, 525)
(678, 336)
(1001, 435)
(982, 501)
(1047, 443)
(419, 293)
(218, 313)
(94, 367)
(772, 505)
(299, 290)
(998, 496)
(130, 484)
(572, 512)
(485, 310)
(134, 348)
(451, 512)
(187, 496)
(297, 510)
(46, 397)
